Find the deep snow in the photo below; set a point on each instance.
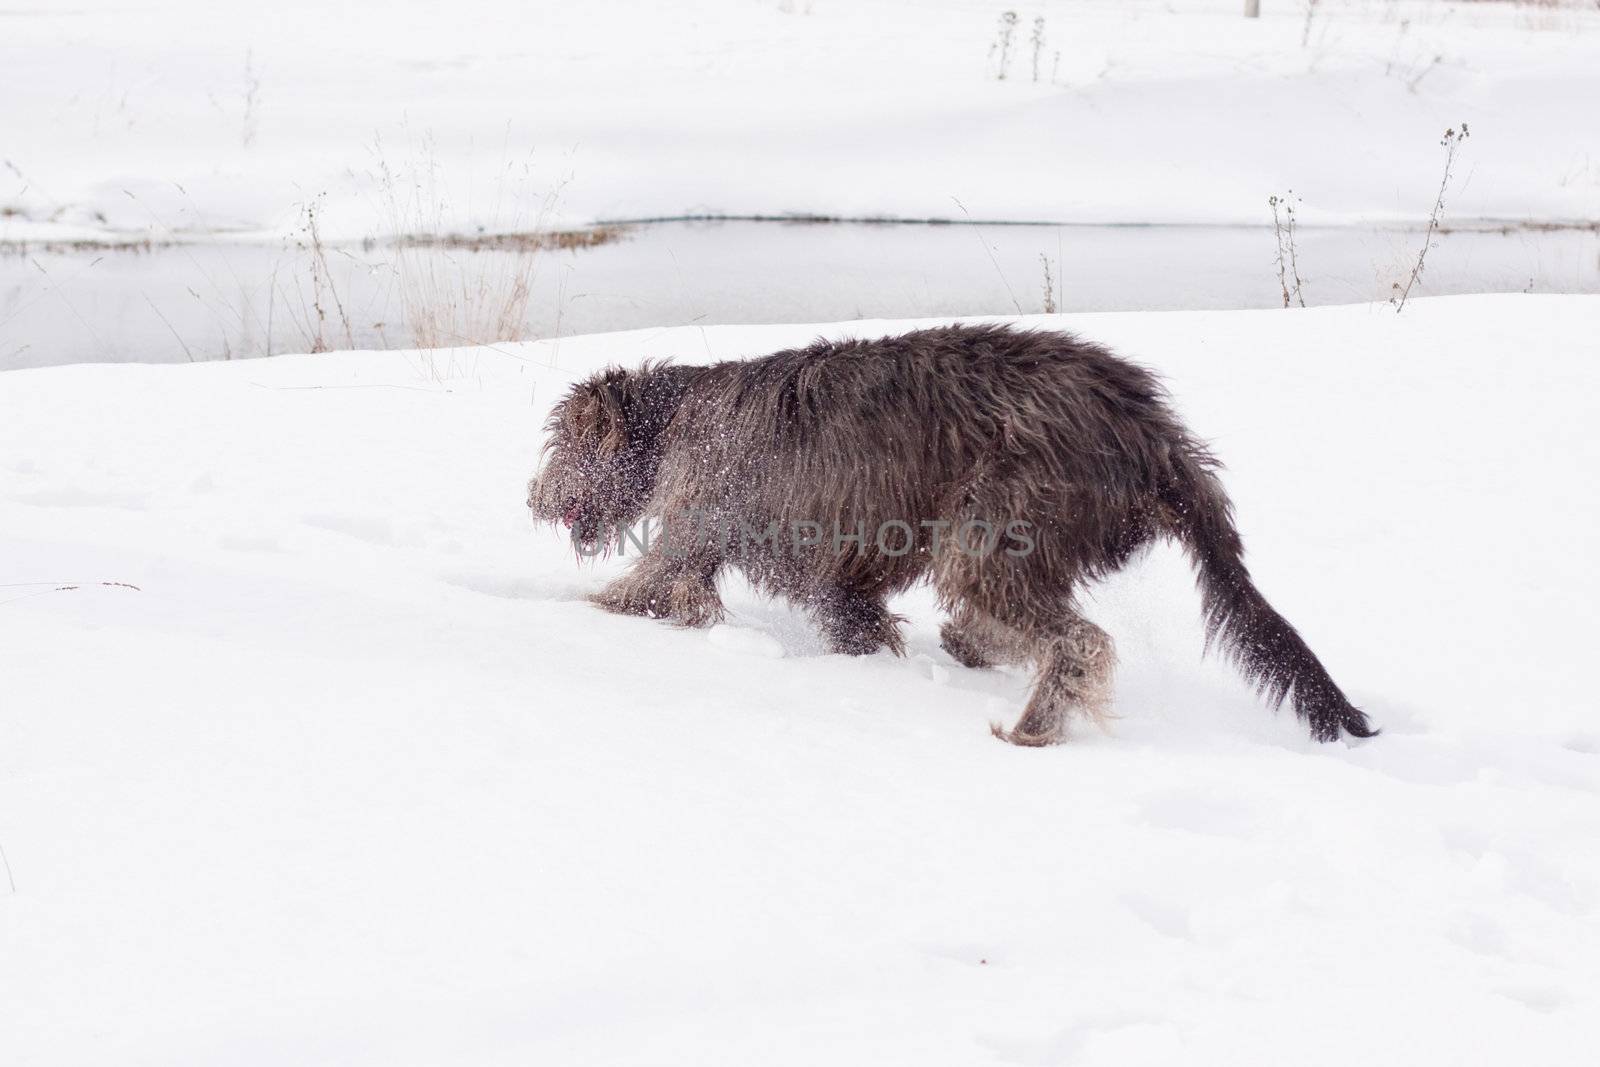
(355, 776)
(181, 117)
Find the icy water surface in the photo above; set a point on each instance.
(218, 301)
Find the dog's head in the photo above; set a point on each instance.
(602, 453)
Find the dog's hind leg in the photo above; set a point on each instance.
(1074, 660)
(1017, 607)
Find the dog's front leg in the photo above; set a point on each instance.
(663, 587)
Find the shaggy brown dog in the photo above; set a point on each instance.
(839, 474)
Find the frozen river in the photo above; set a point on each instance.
(218, 301)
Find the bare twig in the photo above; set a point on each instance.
(272, 300)
(1412, 83)
(320, 275)
(1283, 229)
(60, 587)
(1294, 254)
(1451, 141)
(70, 305)
(1002, 44)
(990, 252)
(175, 335)
(252, 100)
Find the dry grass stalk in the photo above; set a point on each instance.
(1452, 141)
(1283, 228)
(476, 299)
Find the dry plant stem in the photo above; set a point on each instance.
(320, 275)
(1305, 31)
(1008, 26)
(70, 306)
(990, 253)
(1049, 286)
(1411, 85)
(61, 587)
(1277, 233)
(252, 99)
(1061, 282)
(450, 302)
(1452, 144)
(240, 316)
(272, 301)
(1294, 256)
(1283, 227)
(175, 335)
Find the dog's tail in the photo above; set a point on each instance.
(1260, 642)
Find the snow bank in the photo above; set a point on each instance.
(354, 775)
(205, 118)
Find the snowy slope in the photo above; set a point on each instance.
(202, 118)
(355, 777)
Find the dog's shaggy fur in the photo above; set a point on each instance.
(936, 426)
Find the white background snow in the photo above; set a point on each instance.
(224, 117)
(312, 752)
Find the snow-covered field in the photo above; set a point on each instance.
(345, 771)
(183, 117)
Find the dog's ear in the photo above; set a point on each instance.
(598, 411)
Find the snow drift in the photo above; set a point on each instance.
(346, 771)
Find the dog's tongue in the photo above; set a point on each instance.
(570, 516)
